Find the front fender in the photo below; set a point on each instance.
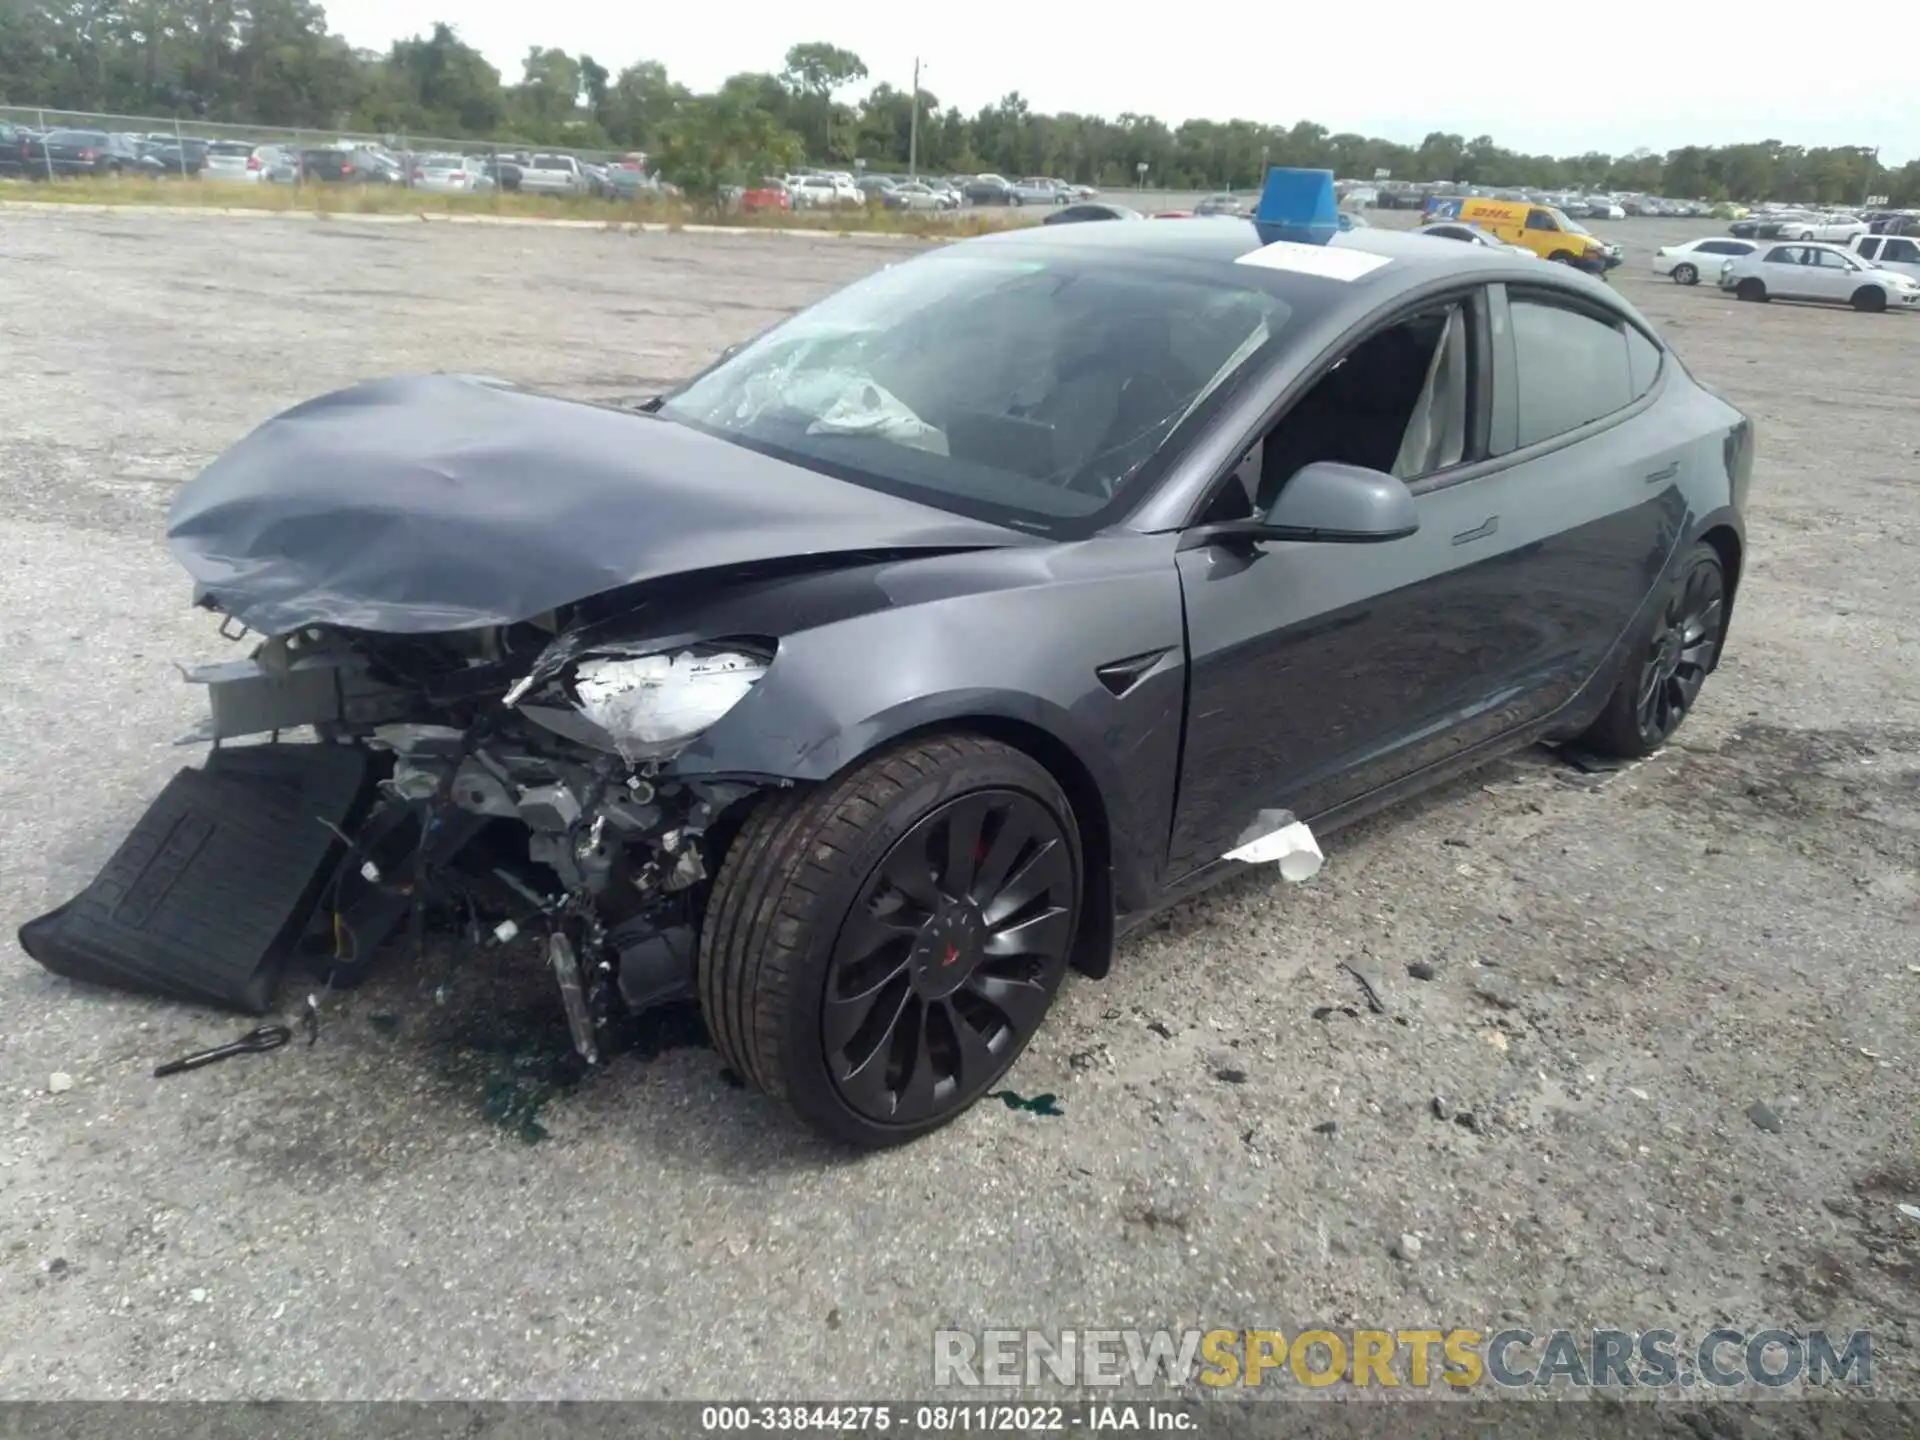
(1014, 638)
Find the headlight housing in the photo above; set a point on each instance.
(655, 700)
(647, 707)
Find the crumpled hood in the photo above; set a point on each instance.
(438, 502)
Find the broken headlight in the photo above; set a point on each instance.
(648, 706)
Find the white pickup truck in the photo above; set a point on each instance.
(1889, 252)
(553, 175)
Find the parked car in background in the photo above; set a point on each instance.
(182, 156)
(504, 172)
(82, 153)
(547, 174)
(770, 196)
(1223, 205)
(1039, 192)
(1769, 225)
(234, 162)
(1818, 272)
(915, 195)
(1837, 228)
(989, 190)
(1090, 210)
(1471, 235)
(1688, 261)
(13, 141)
(447, 174)
(1898, 253)
(333, 165)
(817, 192)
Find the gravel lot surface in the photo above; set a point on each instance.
(1618, 967)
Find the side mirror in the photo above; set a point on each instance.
(1325, 503)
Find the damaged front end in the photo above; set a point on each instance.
(511, 783)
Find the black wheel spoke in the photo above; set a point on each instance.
(909, 869)
(963, 842)
(1009, 838)
(1039, 934)
(915, 1097)
(1685, 685)
(869, 1017)
(976, 1061)
(1020, 1003)
(1044, 867)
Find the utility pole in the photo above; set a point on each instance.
(913, 126)
(1873, 167)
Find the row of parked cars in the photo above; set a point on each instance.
(836, 189)
(1869, 272)
(67, 153)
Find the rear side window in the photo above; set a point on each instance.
(1643, 361)
(1573, 367)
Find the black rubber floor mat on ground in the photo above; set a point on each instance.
(204, 899)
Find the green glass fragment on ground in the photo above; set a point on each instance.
(1038, 1105)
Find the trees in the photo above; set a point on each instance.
(274, 62)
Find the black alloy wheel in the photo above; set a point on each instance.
(1658, 690)
(878, 950)
(1680, 654)
(949, 958)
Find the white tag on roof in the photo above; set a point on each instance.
(1333, 262)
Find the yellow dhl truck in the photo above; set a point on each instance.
(1546, 231)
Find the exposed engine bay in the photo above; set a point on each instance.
(517, 795)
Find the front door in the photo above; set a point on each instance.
(1321, 672)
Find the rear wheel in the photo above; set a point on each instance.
(1751, 289)
(1685, 275)
(1657, 690)
(879, 951)
(1870, 298)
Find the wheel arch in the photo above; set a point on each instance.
(1727, 544)
(1093, 941)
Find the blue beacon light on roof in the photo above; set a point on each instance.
(1297, 205)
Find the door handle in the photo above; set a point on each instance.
(1479, 532)
(1659, 477)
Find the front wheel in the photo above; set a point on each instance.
(1685, 275)
(1806, 235)
(1561, 257)
(877, 952)
(1870, 298)
(1657, 690)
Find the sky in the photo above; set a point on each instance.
(1523, 71)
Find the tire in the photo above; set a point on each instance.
(1686, 275)
(1751, 288)
(1561, 257)
(1657, 688)
(1869, 298)
(1806, 235)
(806, 909)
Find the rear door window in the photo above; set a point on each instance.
(1573, 366)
